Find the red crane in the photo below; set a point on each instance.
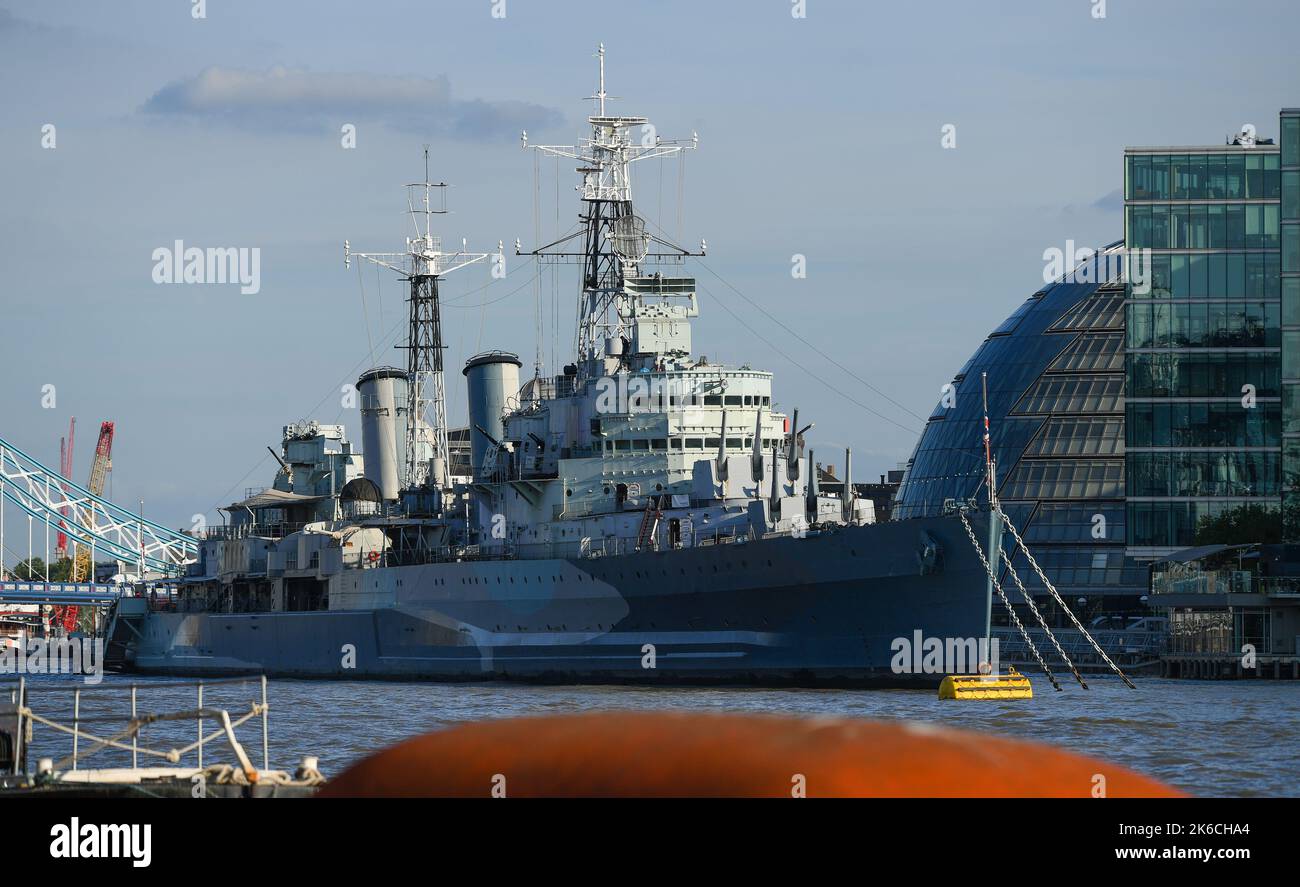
(99, 470)
(103, 463)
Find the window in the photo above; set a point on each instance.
(1291, 195)
(1291, 249)
(1070, 436)
(1291, 141)
(1066, 479)
(1073, 394)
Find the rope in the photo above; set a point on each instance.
(1057, 597)
(133, 728)
(1029, 599)
(1006, 603)
(225, 774)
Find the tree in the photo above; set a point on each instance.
(31, 569)
(1241, 525)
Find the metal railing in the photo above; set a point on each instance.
(135, 722)
(230, 532)
(1132, 646)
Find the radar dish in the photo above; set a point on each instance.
(628, 238)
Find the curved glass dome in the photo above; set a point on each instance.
(1056, 408)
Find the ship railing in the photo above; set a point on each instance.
(231, 532)
(718, 537)
(82, 734)
(158, 597)
(395, 557)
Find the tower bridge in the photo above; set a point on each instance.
(54, 504)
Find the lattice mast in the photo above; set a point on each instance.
(613, 238)
(422, 265)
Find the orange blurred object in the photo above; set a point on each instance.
(681, 754)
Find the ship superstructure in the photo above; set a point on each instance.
(644, 514)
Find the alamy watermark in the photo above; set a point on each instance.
(224, 264)
(1086, 265)
(933, 655)
(83, 656)
(619, 395)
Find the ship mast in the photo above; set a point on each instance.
(613, 239)
(423, 264)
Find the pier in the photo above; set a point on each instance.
(1220, 666)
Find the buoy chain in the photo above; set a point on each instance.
(1006, 603)
(1056, 595)
(1029, 599)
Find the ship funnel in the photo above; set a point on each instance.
(491, 380)
(383, 433)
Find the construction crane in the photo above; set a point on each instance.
(65, 469)
(103, 463)
(82, 568)
(99, 469)
(66, 615)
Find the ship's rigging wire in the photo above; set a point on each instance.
(379, 295)
(365, 314)
(786, 328)
(821, 379)
(389, 338)
(810, 345)
(538, 331)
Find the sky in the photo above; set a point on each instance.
(820, 136)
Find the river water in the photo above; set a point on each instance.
(1228, 738)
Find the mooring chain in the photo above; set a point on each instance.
(1006, 603)
(1056, 595)
(1029, 599)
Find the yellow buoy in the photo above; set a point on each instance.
(1012, 685)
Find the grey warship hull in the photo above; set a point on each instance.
(832, 608)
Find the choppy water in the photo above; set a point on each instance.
(1234, 738)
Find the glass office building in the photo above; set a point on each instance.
(1205, 358)
(1056, 404)
(1289, 239)
(1121, 416)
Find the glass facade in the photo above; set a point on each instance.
(1205, 368)
(1056, 404)
(1289, 293)
(1123, 417)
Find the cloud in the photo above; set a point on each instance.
(12, 24)
(1112, 201)
(299, 100)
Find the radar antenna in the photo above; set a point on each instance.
(423, 264)
(613, 239)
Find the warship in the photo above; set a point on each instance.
(644, 515)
